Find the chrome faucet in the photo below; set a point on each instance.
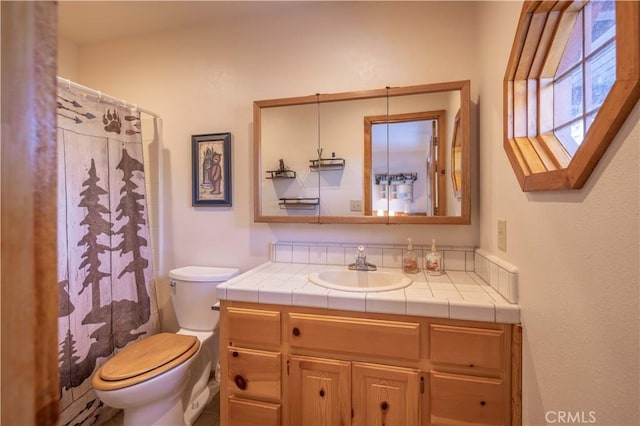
(361, 263)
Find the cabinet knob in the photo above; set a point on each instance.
(384, 405)
(483, 403)
(296, 331)
(241, 382)
(321, 393)
(235, 354)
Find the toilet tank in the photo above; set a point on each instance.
(193, 293)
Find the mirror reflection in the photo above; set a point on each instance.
(311, 165)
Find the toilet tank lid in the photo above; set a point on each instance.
(203, 273)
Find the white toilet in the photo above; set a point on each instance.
(166, 379)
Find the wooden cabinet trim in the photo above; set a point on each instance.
(247, 412)
(253, 373)
(461, 399)
(470, 347)
(384, 394)
(324, 390)
(505, 377)
(394, 339)
(257, 327)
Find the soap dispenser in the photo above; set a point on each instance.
(433, 260)
(409, 260)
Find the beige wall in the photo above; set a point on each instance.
(577, 251)
(204, 80)
(67, 59)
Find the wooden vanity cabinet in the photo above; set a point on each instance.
(291, 366)
(251, 366)
(336, 392)
(320, 391)
(467, 372)
(385, 395)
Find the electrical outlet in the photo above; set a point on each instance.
(502, 234)
(355, 205)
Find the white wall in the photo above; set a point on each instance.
(577, 252)
(205, 79)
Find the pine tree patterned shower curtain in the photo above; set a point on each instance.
(105, 270)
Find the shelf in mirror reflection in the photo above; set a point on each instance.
(301, 203)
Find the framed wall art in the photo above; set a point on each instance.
(211, 169)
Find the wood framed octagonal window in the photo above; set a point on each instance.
(572, 78)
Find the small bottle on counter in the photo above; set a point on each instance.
(433, 261)
(409, 260)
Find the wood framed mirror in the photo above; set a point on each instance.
(319, 158)
(456, 158)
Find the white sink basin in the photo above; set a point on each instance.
(346, 280)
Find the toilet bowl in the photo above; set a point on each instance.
(166, 379)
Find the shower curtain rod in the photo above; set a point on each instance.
(101, 96)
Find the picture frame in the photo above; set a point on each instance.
(211, 164)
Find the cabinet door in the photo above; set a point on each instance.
(320, 391)
(243, 412)
(385, 396)
(469, 400)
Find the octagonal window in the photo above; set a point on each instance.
(572, 78)
(586, 73)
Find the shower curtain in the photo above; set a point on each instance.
(105, 271)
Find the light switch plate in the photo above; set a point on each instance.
(502, 234)
(355, 205)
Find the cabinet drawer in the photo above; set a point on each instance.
(466, 346)
(394, 339)
(253, 326)
(457, 399)
(243, 412)
(253, 373)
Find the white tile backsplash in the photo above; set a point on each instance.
(300, 254)
(465, 266)
(470, 261)
(386, 255)
(374, 255)
(318, 255)
(500, 275)
(335, 256)
(454, 261)
(282, 253)
(392, 258)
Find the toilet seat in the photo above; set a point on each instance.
(144, 360)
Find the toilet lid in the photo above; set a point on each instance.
(146, 355)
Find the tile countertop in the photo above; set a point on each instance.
(456, 294)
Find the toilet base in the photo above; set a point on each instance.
(162, 413)
(199, 402)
